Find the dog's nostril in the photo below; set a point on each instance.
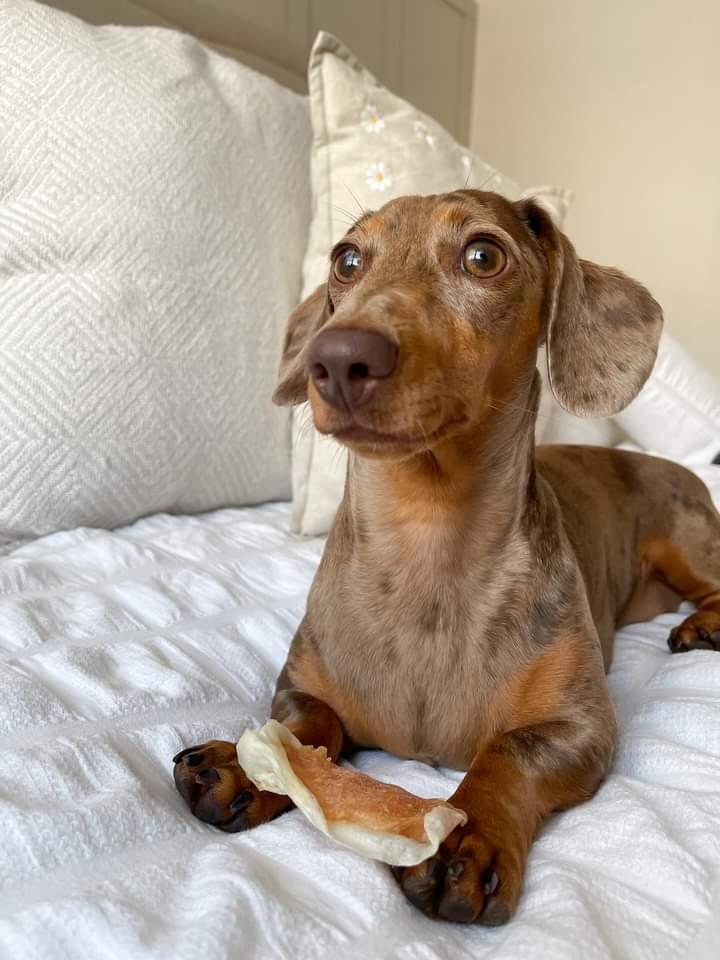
(319, 372)
(359, 371)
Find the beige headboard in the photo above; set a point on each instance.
(421, 49)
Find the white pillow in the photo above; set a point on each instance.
(677, 412)
(154, 208)
(368, 147)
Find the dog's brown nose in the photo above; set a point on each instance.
(346, 365)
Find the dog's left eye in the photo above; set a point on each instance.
(483, 258)
(348, 264)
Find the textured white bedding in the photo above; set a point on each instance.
(117, 649)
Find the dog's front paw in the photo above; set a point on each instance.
(470, 879)
(213, 784)
(701, 631)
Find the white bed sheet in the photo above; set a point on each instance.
(117, 649)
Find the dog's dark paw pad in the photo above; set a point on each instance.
(693, 636)
(495, 914)
(422, 884)
(471, 879)
(216, 789)
(457, 908)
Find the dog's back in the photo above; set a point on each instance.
(645, 532)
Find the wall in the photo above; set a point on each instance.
(421, 49)
(619, 100)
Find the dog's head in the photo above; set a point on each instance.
(432, 315)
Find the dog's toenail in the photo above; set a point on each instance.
(183, 753)
(491, 883)
(241, 801)
(207, 776)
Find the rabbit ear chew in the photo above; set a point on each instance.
(375, 819)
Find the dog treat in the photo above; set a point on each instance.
(376, 819)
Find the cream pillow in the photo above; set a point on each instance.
(368, 147)
(154, 208)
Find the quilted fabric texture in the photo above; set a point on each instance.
(118, 649)
(154, 204)
(368, 147)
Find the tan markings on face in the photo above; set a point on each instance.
(464, 341)
(510, 357)
(449, 215)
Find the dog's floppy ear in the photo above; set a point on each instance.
(602, 328)
(302, 325)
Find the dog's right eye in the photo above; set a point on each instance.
(483, 258)
(347, 264)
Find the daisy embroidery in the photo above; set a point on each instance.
(371, 120)
(378, 177)
(423, 133)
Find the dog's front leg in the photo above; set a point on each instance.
(213, 784)
(511, 787)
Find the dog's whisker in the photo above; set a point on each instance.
(540, 417)
(362, 209)
(486, 181)
(344, 219)
(336, 206)
(504, 404)
(352, 218)
(515, 406)
(470, 169)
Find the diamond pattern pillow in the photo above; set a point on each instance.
(154, 204)
(368, 147)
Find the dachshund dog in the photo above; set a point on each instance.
(464, 609)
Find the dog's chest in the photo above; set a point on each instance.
(420, 657)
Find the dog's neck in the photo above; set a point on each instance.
(473, 487)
